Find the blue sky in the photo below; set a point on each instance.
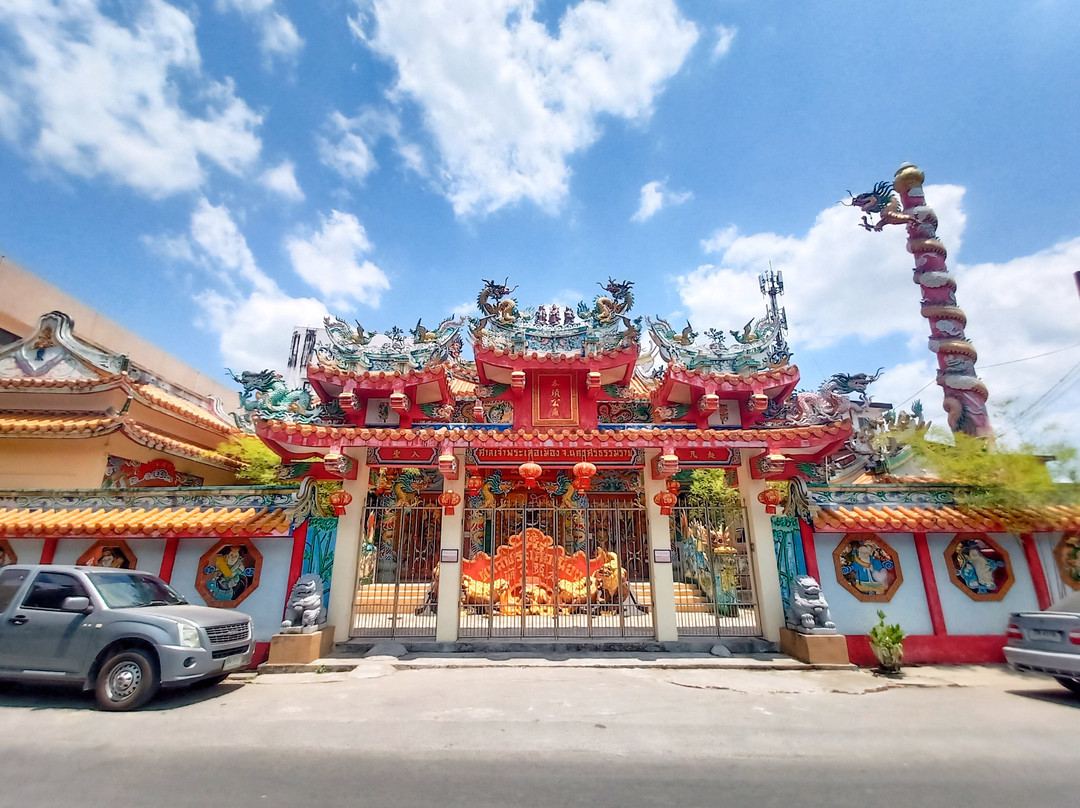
(210, 174)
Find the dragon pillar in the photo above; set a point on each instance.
(965, 394)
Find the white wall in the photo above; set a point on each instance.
(852, 616)
(966, 616)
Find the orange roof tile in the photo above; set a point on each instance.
(35, 382)
(184, 408)
(42, 423)
(902, 519)
(144, 522)
(165, 443)
(312, 435)
(461, 388)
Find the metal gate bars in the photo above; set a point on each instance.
(555, 573)
(396, 572)
(714, 589)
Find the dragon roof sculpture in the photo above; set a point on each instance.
(416, 349)
(553, 328)
(759, 343)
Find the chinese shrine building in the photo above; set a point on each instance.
(534, 491)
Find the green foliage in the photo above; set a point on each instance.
(997, 477)
(888, 637)
(710, 487)
(260, 463)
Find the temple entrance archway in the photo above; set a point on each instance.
(549, 572)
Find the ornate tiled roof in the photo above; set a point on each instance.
(166, 443)
(946, 519)
(144, 522)
(187, 410)
(314, 435)
(40, 423)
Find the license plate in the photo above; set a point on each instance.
(1044, 634)
(233, 662)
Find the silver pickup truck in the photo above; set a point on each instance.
(120, 632)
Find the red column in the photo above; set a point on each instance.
(48, 552)
(169, 558)
(933, 599)
(809, 553)
(299, 538)
(1038, 574)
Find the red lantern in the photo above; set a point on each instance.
(448, 499)
(473, 485)
(666, 500)
(770, 498)
(339, 501)
(673, 486)
(583, 474)
(531, 472)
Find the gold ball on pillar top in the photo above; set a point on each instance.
(907, 177)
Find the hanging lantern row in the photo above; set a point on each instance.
(530, 471)
(449, 499)
(583, 474)
(770, 498)
(339, 501)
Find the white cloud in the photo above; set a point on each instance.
(344, 150)
(282, 180)
(720, 240)
(846, 285)
(725, 36)
(655, 196)
(507, 103)
(252, 317)
(122, 98)
(278, 36)
(255, 330)
(331, 261)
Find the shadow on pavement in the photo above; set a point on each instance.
(72, 697)
(1054, 695)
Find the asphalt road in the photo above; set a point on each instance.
(553, 737)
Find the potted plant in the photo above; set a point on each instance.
(887, 643)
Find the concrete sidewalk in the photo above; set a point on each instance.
(698, 667)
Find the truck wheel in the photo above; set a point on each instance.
(126, 681)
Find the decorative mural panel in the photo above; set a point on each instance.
(979, 566)
(624, 412)
(555, 400)
(1067, 556)
(160, 473)
(319, 551)
(867, 567)
(229, 572)
(109, 553)
(7, 555)
(790, 562)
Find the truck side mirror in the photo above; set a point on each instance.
(79, 604)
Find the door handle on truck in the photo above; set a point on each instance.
(19, 619)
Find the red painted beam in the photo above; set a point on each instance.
(933, 597)
(806, 533)
(48, 551)
(297, 563)
(1035, 567)
(169, 558)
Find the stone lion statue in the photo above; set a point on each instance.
(304, 611)
(809, 612)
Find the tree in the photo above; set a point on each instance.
(260, 463)
(997, 477)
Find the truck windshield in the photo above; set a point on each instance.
(124, 590)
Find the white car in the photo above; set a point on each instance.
(1048, 641)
